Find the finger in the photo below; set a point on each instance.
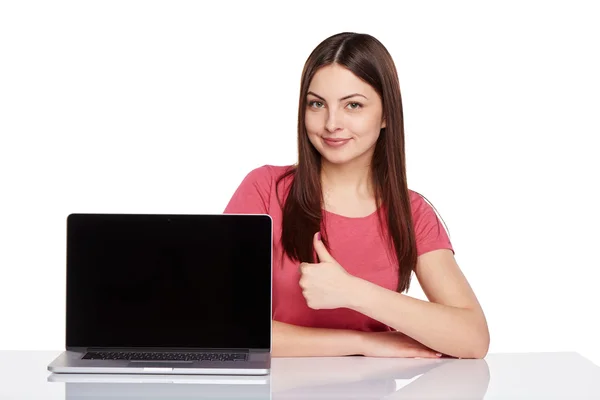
(429, 354)
(321, 250)
(303, 267)
(302, 284)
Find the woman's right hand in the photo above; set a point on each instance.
(394, 344)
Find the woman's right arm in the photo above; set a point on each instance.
(299, 341)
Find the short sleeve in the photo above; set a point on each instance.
(430, 233)
(252, 195)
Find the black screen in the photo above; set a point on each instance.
(169, 281)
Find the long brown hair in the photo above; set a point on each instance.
(370, 61)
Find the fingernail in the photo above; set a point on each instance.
(319, 236)
(438, 354)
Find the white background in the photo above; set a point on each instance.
(163, 107)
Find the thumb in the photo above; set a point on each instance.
(321, 250)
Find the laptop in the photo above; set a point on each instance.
(168, 294)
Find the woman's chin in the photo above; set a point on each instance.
(336, 159)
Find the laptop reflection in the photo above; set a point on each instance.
(106, 386)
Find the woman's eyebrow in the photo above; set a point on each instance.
(343, 98)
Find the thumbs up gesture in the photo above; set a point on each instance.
(325, 285)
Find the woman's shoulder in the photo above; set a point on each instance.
(256, 191)
(429, 231)
(267, 176)
(415, 197)
(269, 171)
(418, 203)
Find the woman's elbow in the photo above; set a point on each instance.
(481, 345)
(477, 343)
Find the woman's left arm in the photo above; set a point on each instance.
(451, 322)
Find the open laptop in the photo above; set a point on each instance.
(168, 294)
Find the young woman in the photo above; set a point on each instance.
(348, 232)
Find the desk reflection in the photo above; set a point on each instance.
(377, 378)
(300, 378)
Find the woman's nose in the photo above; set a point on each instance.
(333, 122)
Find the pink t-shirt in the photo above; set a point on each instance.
(356, 243)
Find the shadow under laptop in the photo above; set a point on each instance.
(300, 378)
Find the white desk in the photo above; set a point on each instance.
(23, 375)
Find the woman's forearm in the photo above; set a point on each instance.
(299, 341)
(453, 331)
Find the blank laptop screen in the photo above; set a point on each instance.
(182, 281)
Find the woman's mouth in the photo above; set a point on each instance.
(338, 142)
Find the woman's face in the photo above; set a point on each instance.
(343, 115)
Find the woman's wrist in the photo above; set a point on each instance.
(360, 341)
(356, 289)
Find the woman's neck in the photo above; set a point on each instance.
(347, 178)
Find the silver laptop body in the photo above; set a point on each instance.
(168, 294)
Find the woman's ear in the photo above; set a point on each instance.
(383, 124)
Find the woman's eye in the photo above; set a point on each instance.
(316, 104)
(354, 106)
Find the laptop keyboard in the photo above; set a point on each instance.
(163, 356)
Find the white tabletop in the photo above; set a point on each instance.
(23, 375)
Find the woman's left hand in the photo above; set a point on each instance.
(325, 285)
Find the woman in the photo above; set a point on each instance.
(348, 232)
